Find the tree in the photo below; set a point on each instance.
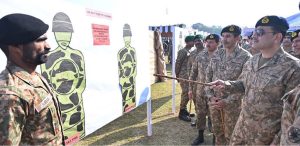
(212, 29)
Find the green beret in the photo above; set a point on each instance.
(295, 34)
(289, 34)
(232, 29)
(198, 36)
(278, 23)
(20, 29)
(189, 38)
(213, 37)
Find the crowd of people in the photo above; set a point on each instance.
(252, 95)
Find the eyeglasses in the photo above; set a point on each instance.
(261, 32)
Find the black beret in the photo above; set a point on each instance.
(189, 38)
(213, 37)
(20, 29)
(295, 34)
(198, 36)
(232, 29)
(274, 21)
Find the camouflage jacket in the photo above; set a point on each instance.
(290, 119)
(224, 68)
(263, 87)
(198, 71)
(30, 113)
(181, 64)
(192, 58)
(291, 51)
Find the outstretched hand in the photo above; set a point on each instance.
(218, 85)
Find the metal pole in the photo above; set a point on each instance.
(149, 118)
(173, 71)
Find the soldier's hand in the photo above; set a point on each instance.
(190, 94)
(220, 104)
(217, 85)
(213, 102)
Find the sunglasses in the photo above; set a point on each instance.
(261, 32)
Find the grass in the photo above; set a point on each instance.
(131, 128)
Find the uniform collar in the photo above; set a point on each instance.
(33, 80)
(272, 61)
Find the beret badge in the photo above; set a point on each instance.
(265, 20)
(294, 34)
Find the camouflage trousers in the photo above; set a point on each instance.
(251, 132)
(184, 95)
(202, 111)
(223, 121)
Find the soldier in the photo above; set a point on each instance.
(227, 64)
(198, 41)
(198, 74)
(30, 113)
(245, 43)
(264, 80)
(287, 43)
(296, 43)
(290, 119)
(182, 71)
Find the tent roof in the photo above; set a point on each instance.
(294, 21)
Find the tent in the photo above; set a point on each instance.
(294, 22)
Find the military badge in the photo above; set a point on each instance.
(265, 20)
(294, 34)
(231, 28)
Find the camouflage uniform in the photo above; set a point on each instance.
(294, 54)
(30, 113)
(182, 71)
(290, 51)
(191, 61)
(290, 119)
(263, 86)
(198, 74)
(224, 68)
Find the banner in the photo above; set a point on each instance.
(99, 61)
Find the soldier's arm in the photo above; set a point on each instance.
(293, 78)
(12, 119)
(179, 60)
(293, 131)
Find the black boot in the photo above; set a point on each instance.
(184, 115)
(214, 140)
(199, 139)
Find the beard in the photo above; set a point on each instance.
(35, 58)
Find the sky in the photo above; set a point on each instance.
(244, 13)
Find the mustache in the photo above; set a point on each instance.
(44, 55)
